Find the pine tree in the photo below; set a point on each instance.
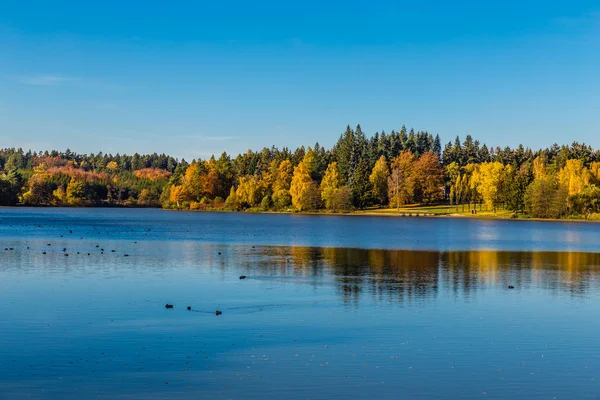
(437, 146)
(346, 154)
(360, 186)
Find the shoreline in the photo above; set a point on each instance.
(392, 215)
(358, 213)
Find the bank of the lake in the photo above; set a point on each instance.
(412, 212)
(405, 212)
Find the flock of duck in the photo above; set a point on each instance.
(167, 306)
(189, 308)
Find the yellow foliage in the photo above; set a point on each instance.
(303, 188)
(60, 196)
(330, 184)
(379, 179)
(40, 169)
(75, 192)
(539, 167)
(574, 176)
(401, 183)
(283, 178)
(176, 195)
(112, 166)
(250, 191)
(144, 197)
(595, 171)
(488, 178)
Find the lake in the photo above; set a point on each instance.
(332, 307)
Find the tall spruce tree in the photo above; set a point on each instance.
(360, 186)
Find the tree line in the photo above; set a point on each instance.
(383, 170)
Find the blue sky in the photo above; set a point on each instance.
(196, 79)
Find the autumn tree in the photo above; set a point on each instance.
(283, 174)
(335, 196)
(144, 198)
(250, 191)
(428, 176)
(76, 192)
(192, 187)
(210, 181)
(112, 166)
(304, 191)
(489, 180)
(401, 184)
(573, 177)
(539, 168)
(379, 180)
(40, 191)
(231, 201)
(177, 195)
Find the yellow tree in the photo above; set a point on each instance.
(469, 183)
(177, 195)
(379, 179)
(75, 191)
(303, 189)
(573, 177)
(209, 182)
(112, 166)
(595, 172)
(60, 195)
(401, 184)
(330, 185)
(283, 176)
(489, 180)
(144, 199)
(192, 187)
(539, 167)
(249, 191)
(281, 184)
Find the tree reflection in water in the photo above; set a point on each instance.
(408, 276)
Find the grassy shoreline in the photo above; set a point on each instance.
(408, 212)
(414, 211)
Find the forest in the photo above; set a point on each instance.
(386, 170)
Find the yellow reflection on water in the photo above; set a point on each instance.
(410, 275)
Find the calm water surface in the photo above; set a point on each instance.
(332, 307)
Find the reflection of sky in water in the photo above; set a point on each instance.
(309, 321)
(486, 231)
(304, 230)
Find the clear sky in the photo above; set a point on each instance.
(196, 78)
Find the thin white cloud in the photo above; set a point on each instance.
(62, 80)
(217, 138)
(199, 137)
(45, 80)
